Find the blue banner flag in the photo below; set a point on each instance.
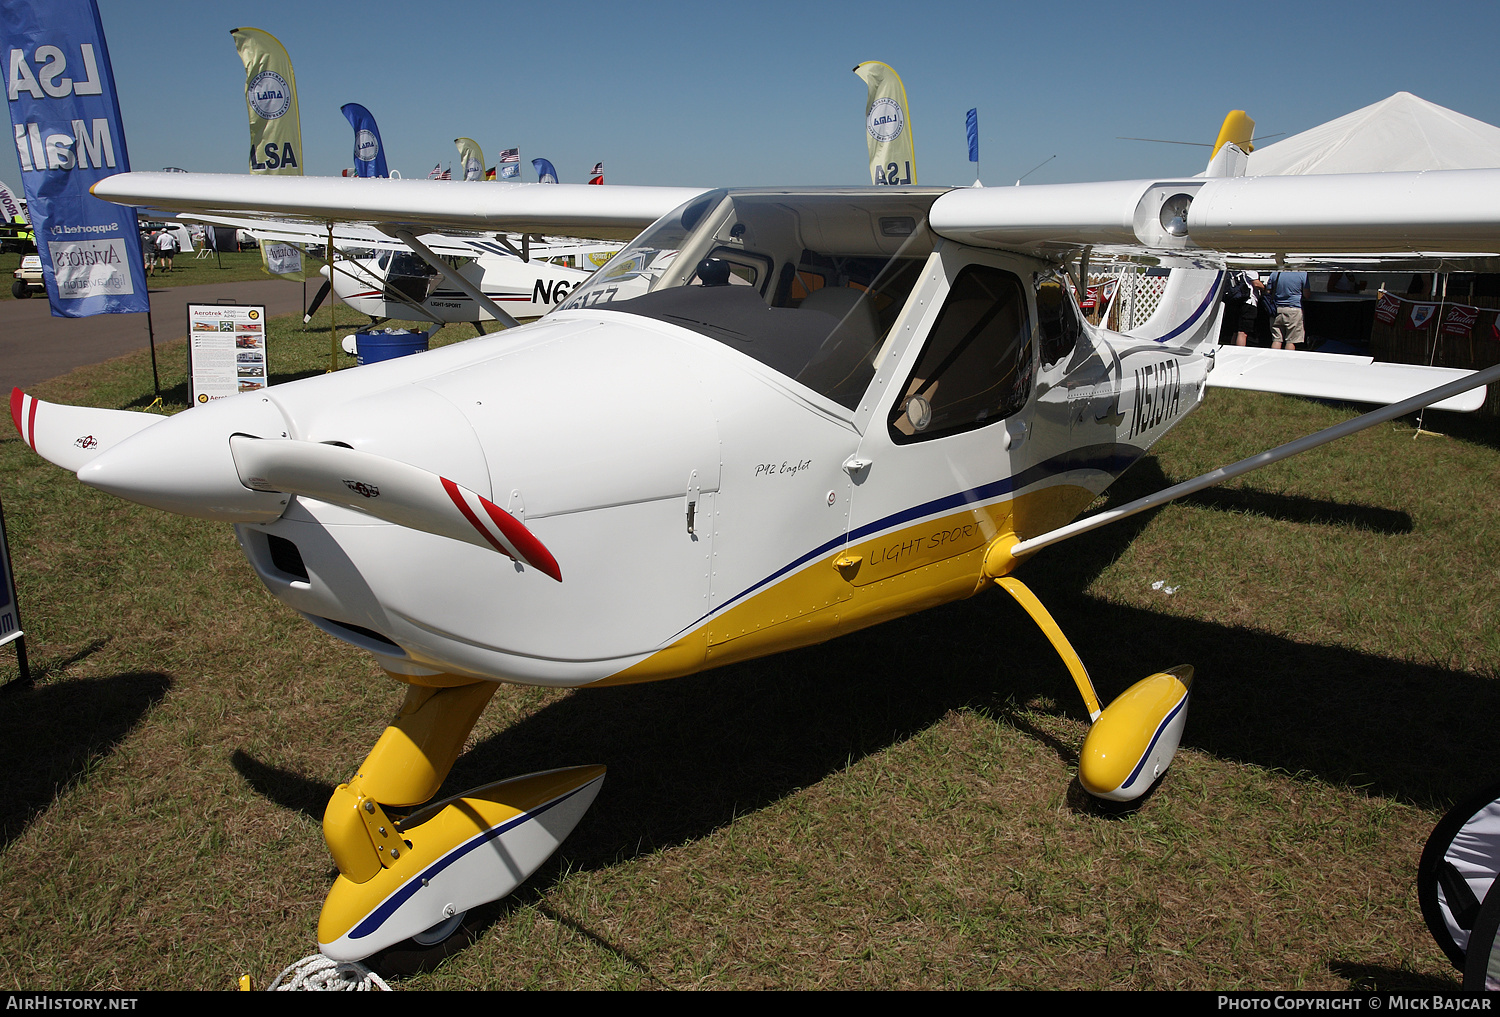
(369, 153)
(545, 174)
(68, 137)
(971, 122)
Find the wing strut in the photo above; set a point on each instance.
(1255, 462)
(474, 293)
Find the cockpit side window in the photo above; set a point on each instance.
(976, 367)
(1058, 319)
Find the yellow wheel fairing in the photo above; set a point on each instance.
(462, 853)
(1136, 736)
(900, 572)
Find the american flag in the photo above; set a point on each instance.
(437, 172)
(510, 160)
(596, 175)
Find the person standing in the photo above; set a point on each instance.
(1287, 328)
(166, 246)
(148, 252)
(1240, 300)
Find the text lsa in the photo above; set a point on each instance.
(890, 173)
(275, 156)
(47, 81)
(89, 146)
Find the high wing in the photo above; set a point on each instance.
(420, 206)
(1426, 214)
(1429, 215)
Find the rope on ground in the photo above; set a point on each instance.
(316, 973)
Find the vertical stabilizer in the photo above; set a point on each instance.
(1238, 130)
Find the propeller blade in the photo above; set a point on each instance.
(387, 489)
(317, 300)
(70, 436)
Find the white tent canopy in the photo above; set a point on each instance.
(1403, 132)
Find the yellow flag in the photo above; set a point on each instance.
(888, 125)
(472, 157)
(271, 97)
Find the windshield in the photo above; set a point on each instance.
(807, 283)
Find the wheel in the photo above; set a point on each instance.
(441, 931)
(20, 290)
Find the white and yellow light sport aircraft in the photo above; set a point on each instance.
(777, 416)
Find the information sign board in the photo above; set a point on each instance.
(226, 350)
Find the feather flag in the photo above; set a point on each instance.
(888, 125)
(369, 154)
(545, 173)
(471, 158)
(271, 98)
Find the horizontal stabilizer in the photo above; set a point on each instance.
(1335, 376)
(387, 489)
(70, 436)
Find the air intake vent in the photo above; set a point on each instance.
(360, 630)
(286, 558)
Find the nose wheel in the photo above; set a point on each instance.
(441, 931)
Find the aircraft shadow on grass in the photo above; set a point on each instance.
(686, 757)
(54, 733)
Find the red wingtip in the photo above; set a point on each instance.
(17, 398)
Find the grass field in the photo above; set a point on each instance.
(893, 809)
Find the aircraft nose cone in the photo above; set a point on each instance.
(184, 464)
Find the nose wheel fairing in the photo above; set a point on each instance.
(404, 876)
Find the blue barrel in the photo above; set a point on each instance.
(373, 347)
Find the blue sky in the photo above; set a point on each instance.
(717, 93)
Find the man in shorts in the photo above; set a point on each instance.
(1240, 301)
(1286, 328)
(166, 246)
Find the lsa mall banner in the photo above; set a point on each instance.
(61, 95)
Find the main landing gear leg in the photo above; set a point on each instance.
(1131, 741)
(415, 876)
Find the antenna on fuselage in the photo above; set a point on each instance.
(1034, 169)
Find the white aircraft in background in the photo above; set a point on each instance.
(777, 416)
(525, 275)
(400, 284)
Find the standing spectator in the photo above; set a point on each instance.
(166, 246)
(1287, 328)
(148, 252)
(1240, 311)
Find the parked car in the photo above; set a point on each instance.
(28, 277)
